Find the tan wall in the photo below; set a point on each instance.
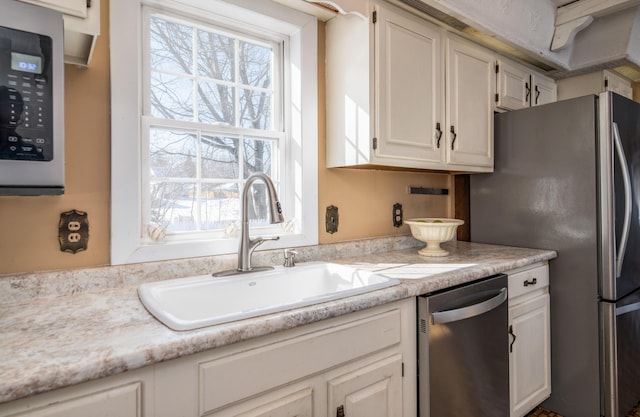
(365, 201)
(29, 225)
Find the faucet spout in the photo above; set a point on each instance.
(248, 245)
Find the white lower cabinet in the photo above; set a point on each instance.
(352, 363)
(529, 341)
(371, 391)
(115, 402)
(363, 363)
(296, 401)
(299, 404)
(125, 395)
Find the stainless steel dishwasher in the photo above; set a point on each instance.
(463, 351)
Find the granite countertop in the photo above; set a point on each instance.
(52, 342)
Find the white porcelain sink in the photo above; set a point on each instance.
(200, 301)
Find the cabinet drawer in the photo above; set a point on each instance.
(229, 379)
(276, 403)
(525, 281)
(124, 401)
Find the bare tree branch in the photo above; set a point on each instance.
(182, 55)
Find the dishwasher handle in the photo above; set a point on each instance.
(448, 316)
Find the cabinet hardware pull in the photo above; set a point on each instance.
(438, 135)
(514, 338)
(455, 135)
(534, 281)
(528, 88)
(537, 94)
(340, 411)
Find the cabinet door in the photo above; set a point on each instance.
(372, 391)
(348, 72)
(530, 359)
(514, 86)
(470, 85)
(409, 92)
(544, 90)
(617, 84)
(122, 401)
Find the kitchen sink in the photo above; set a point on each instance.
(200, 301)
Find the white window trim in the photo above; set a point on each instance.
(126, 104)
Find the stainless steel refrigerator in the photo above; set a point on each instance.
(567, 177)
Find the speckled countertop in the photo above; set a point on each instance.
(52, 342)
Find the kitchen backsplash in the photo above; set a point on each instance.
(20, 287)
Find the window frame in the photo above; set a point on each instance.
(300, 157)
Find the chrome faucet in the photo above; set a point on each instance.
(248, 245)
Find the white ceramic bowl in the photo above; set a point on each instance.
(433, 231)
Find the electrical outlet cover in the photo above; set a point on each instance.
(73, 231)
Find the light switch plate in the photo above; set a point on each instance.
(332, 219)
(397, 215)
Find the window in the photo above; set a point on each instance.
(201, 101)
(212, 117)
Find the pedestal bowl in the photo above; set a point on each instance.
(433, 231)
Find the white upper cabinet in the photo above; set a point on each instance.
(386, 75)
(617, 83)
(594, 83)
(76, 8)
(470, 85)
(513, 86)
(81, 27)
(519, 87)
(544, 90)
(410, 94)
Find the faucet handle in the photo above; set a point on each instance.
(261, 239)
(289, 257)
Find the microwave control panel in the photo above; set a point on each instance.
(26, 111)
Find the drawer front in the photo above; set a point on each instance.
(122, 401)
(529, 280)
(227, 380)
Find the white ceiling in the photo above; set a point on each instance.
(563, 37)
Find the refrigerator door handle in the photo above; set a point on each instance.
(626, 179)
